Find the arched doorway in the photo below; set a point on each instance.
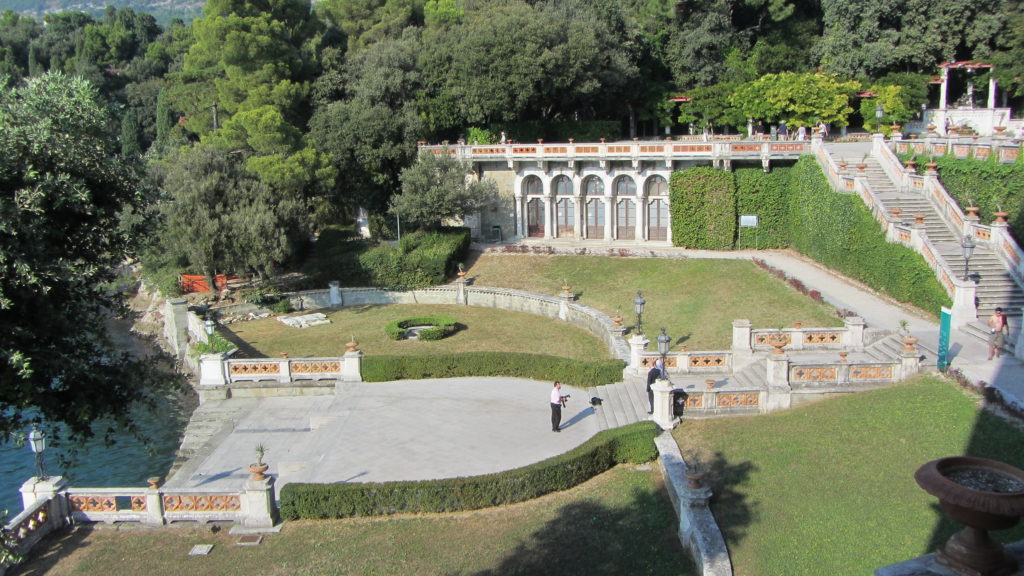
(593, 189)
(657, 208)
(625, 208)
(533, 189)
(565, 208)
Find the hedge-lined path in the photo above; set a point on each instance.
(382, 431)
(968, 351)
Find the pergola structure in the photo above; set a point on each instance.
(970, 66)
(982, 120)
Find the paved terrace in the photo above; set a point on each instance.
(428, 429)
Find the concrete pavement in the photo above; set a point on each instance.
(415, 430)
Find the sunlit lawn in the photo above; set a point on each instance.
(829, 488)
(483, 329)
(695, 299)
(620, 522)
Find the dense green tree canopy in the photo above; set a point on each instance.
(62, 194)
(435, 189)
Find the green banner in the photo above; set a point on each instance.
(944, 329)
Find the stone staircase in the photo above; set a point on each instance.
(995, 285)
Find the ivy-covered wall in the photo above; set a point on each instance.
(797, 208)
(703, 208)
(988, 185)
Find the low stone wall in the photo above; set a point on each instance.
(698, 530)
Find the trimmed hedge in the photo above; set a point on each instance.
(703, 208)
(421, 259)
(763, 194)
(628, 444)
(440, 326)
(838, 231)
(577, 373)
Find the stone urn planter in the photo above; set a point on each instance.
(911, 165)
(982, 495)
(861, 168)
(909, 343)
(931, 166)
(895, 128)
(972, 211)
(694, 479)
(931, 128)
(1000, 217)
(842, 165)
(617, 320)
(999, 130)
(258, 469)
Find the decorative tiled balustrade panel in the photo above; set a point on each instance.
(798, 339)
(205, 503)
(108, 504)
(841, 374)
(253, 370)
(718, 145)
(687, 362)
(723, 401)
(316, 368)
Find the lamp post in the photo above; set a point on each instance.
(879, 112)
(37, 443)
(208, 325)
(638, 307)
(968, 246)
(663, 342)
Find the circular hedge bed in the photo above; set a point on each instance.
(439, 327)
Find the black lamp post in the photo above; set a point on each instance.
(968, 246)
(37, 443)
(879, 112)
(663, 342)
(638, 307)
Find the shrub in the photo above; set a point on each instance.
(283, 306)
(513, 364)
(440, 326)
(703, 208)
(421, 259)
(216, 344)
(628, 444)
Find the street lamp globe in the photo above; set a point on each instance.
(638, 307)
(209, 324)
(663, 342)
(968, 246)
(37, 444)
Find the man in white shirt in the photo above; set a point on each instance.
(557, 401)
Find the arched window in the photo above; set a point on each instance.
(624, 186)
(657, 186)
(593, 186)
(532, 186)
(563, 186)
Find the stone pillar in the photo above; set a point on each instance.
(154, 506)
(284, 371)
(1018, 348)
(351, 364)
(853, 338)
(335, 295)
(741, 336)
(34, 490)
(460, 289)
(259, 508)
(564, 299)
(176, 325)
(964, 310)
(991, 92)
(910, 363)
(637, 345)
(213, 377)
(777, 377)
(944, 89)
(663, 415)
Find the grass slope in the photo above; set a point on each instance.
(829, 488)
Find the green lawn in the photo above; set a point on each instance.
(829, 488)
(695, 299)
(482, 329)
(621, 521)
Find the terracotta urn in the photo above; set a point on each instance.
(682, 347)
(572, 140)
(602, 140)
(895, 127)
(931, 166)
(709, 384)
(565, 289)
(843, 164)
(798, 325)
(909, 343)
(540, 140)
(896, 212)
(972, 211)
(861, 167)
(911, 164)
(617, 320)
(694, 479)
(919, 219)
(982, 495)
(842, 356)
(351, 346)
(258, 471)
(999, 130)
(931, 128)
(1000, 217)
(154, 482)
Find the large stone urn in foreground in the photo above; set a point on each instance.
(982, 495)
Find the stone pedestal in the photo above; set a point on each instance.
(564, 299)
(964, 310)
(259, 508)
(637, 345)
(335, 293)
(778, 395)
(741, 337)
(854, 337)
(663, 415)
(351, 366)
(460, 291)
(34, 489)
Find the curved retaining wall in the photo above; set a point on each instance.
(555, 307)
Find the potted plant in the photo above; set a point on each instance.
(972, 210)
(617, 319)
(862, 165)
(908, 340)
(462, 271)
(695, 471)
(1000, 214)
(258, 469)
(843, 164)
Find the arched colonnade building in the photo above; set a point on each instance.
(597, 192)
